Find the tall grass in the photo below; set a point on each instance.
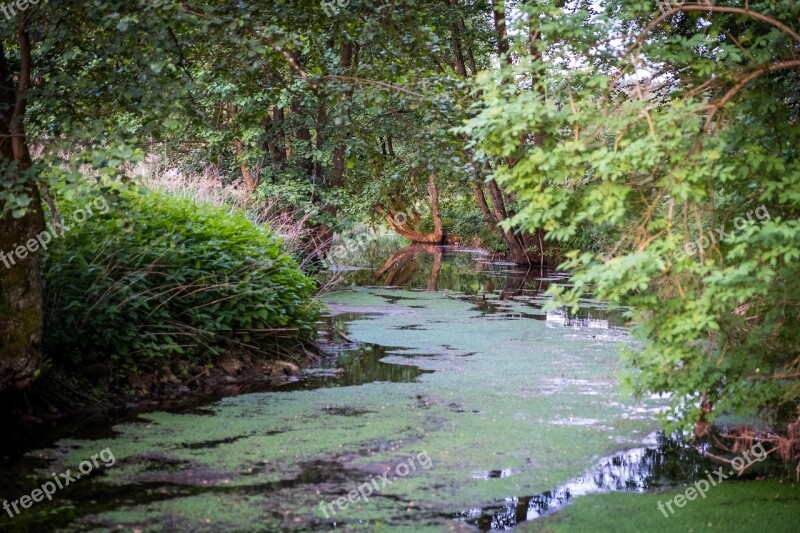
(209, 185)
(160, 278)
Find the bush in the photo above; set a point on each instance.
(151, 278)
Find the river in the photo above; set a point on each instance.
(447, 399)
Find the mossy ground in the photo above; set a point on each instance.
(733, 506)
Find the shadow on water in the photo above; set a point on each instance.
(347, 363)
(664, 463)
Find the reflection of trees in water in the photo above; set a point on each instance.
(433, 267)
(519, 281)
(401, 266)
(632, 471)
(442, 268)
(363, 365)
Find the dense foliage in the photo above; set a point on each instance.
(678, 133)
(656, 140)
(148, 278)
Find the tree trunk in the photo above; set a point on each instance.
(345, 65)
(21, 294)
(322, 124)
(250, 180)
(275, 143)
(458, 54)
(515, 246)
(473, 67)
(403, 223)
(324, 233)
(499, 12)
(433, 194)
(303, 134)
(282, 151)
(480, 198)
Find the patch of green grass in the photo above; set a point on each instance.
(732, 506)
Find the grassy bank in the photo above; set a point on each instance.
(768, 505)
(149, 294)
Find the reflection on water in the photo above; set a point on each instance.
(347, 363)
(664, 462)
(500, 289)
(429, 267)
(561, 318)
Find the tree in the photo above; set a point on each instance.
(677, 133)
(54, 89)
(21, 304)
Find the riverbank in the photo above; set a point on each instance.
(54, 408)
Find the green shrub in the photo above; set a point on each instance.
(153, 278)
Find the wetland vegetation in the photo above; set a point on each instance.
(451, 265)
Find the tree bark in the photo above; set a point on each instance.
(323, 233)
(458, 54)
(345, 63)
(515, 246)
(404, 225)
(473, 67)
(433, 194)
(250, 180)
(480, 198)
(499, 12)
(303, 134)
(322, 124)
(282, 151)
(21, 293)
(275, 144)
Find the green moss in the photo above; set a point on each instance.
(540, 402)
(733, 506)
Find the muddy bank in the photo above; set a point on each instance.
(60, 405)
(54, 409)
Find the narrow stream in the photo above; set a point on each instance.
(432, 352)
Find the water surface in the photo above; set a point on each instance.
(429, 350)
